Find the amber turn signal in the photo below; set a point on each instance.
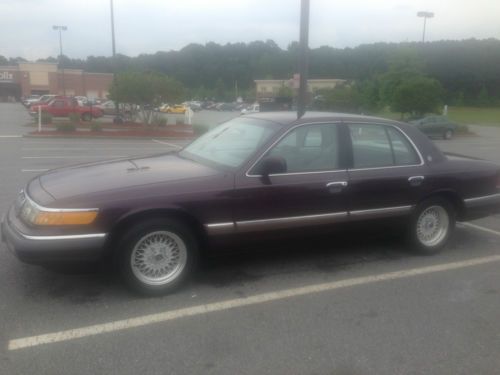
(65, 218)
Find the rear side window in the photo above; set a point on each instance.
(404, 153)
(376, 146)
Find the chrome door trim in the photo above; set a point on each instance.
(415, 148)
(220, 228)
(290, 222)
(380, 212)
(483, 200)
(336, 122)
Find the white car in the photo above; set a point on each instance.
(254, 108)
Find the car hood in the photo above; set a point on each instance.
(120, 174)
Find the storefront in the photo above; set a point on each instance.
(45, 78)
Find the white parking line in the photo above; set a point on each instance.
(34, 170)
(165, 316)
(11, 136)
(484, 229)
(167, 143)
(73, 156)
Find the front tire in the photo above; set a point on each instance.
(157, 256)
(432, 225)
(87, 116)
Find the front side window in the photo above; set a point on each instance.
(309, 148)
(232, 143)
(377, 146)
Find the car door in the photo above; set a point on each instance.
(387, 172)
(58, 108)
(311, 192)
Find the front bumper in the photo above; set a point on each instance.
(37, 249)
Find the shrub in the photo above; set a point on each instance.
(46, 118)
(159, 121)
(66, 127)
(74, 118)
(96, 127)
(200, 129)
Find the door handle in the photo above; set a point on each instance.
(416, 180)
(337, 186)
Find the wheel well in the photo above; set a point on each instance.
(454, 199)
(122, 226)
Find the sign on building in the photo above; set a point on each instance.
(6, 77)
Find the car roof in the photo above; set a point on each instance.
(287, 118)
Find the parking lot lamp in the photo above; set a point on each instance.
(425, 15)
(61, 28)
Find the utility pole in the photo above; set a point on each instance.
(118, 119)
(303, 57)
(61, 29)
(425, 15)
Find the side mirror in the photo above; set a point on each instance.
(271, 165)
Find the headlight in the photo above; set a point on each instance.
(37, 215)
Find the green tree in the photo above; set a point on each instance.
(145, 90)
(345, 98)
(417, 96)
(483, 98)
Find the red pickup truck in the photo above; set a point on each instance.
(63, 107)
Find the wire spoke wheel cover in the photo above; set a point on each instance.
(433, 226)
(158, 258)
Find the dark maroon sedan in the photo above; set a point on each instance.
(254, 176)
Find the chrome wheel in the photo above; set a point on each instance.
(158, 258)
(432, 226)
(448, 134)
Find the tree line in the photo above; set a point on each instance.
(468, 71)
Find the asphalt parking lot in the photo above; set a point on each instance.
(345, 305)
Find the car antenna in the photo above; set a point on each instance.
(303, 58)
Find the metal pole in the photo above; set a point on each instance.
(303, 57)
(117, 118)
(60, 60)
(39, 118)
(423, 35)
(112, 29)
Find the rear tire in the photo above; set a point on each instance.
(432, 225)
(156, 256)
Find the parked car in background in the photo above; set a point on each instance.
(30, 99)
(250, 179)
(254, 108)
(226, 107)
(108, 108)
(44, 99)
(82, 100)
(436, 126)
(64, 106)
(176, 108)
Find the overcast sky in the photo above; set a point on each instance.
(147, 26)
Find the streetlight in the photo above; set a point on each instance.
(303, 57)
(61, 29)
(425, 15)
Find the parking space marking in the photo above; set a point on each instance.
(11, 136)
(167, 143)
(73, 156)
(34, 170)
(120, 325)
(484, 229)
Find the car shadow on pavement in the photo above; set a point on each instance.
(237, 265)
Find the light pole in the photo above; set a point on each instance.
(117, 119)
(425, 15)
(303, 57)
(61, 29)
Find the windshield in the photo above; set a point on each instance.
(232, 143)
